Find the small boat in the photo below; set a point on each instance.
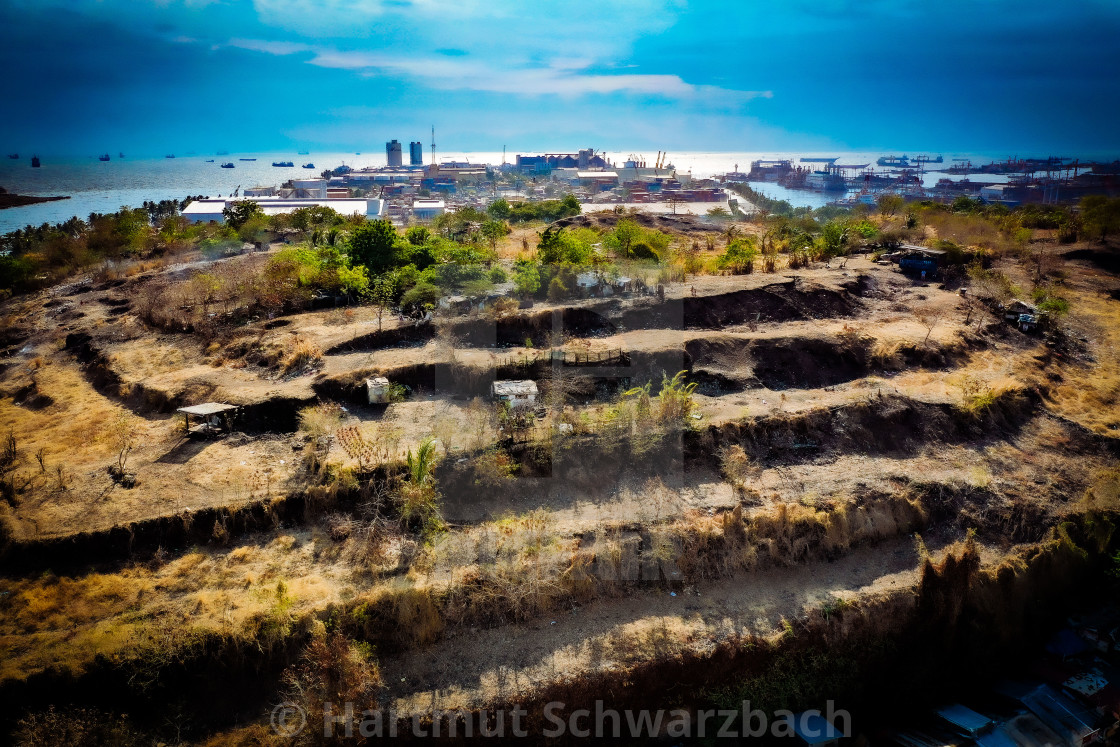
(246, 159)
(13, 155)
(34, 162)
(103, 158)
(170, 155)
(308, 165)
(211, 160)
(283, 164)
(227, 165)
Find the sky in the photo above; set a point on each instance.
(155, 76)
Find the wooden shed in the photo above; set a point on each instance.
(517, 393)
(214, 418)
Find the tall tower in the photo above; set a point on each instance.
(415, 153)
(393, 153)
(433, 145)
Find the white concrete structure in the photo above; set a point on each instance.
(516, 393)
(377, 389)
(204, 211)
(260, 192)
(427, 209)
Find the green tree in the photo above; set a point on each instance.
(570, 206)
(557, 290)
(626, 232)
(526, 279)
(353, 281)
(1100, 215)
(240, 212)
(494, 230)
(420, 296)
(418, 235)
(381, 293)
(739, 256)
(373, 245)
(559, 246)
(499, 209)
(890, 203)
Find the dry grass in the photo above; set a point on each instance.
(1089, 393)
(303, 354)
(52, 620)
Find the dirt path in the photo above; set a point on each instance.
(475, 667)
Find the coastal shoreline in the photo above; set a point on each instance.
(10, 201)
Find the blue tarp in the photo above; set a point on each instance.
(964, 718)
(814, 728)
(1066, 643)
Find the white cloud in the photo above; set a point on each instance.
(270, 47)
(569, 77)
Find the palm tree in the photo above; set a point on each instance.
(421, 463)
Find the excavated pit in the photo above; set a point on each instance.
(778, 302)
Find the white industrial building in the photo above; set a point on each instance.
(205, 211)
(427, 209)
(315, 189)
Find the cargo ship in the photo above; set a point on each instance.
(103, 158)
(227, 165)
(283, 164)
(899, 162)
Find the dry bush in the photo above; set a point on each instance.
(481, 424)
(320, 420)
(77, 727)
(737, 466)
(303, 354)
(887, 354)
(333, 669)
(493, 468)
(503, 307)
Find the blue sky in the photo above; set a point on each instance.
(174, 75)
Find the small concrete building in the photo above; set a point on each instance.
(517, 393)
(377, 390)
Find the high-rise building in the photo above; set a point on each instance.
(416, 153)
(393, 153)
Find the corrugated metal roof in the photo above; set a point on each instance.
(207, 408)
(515, 388)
